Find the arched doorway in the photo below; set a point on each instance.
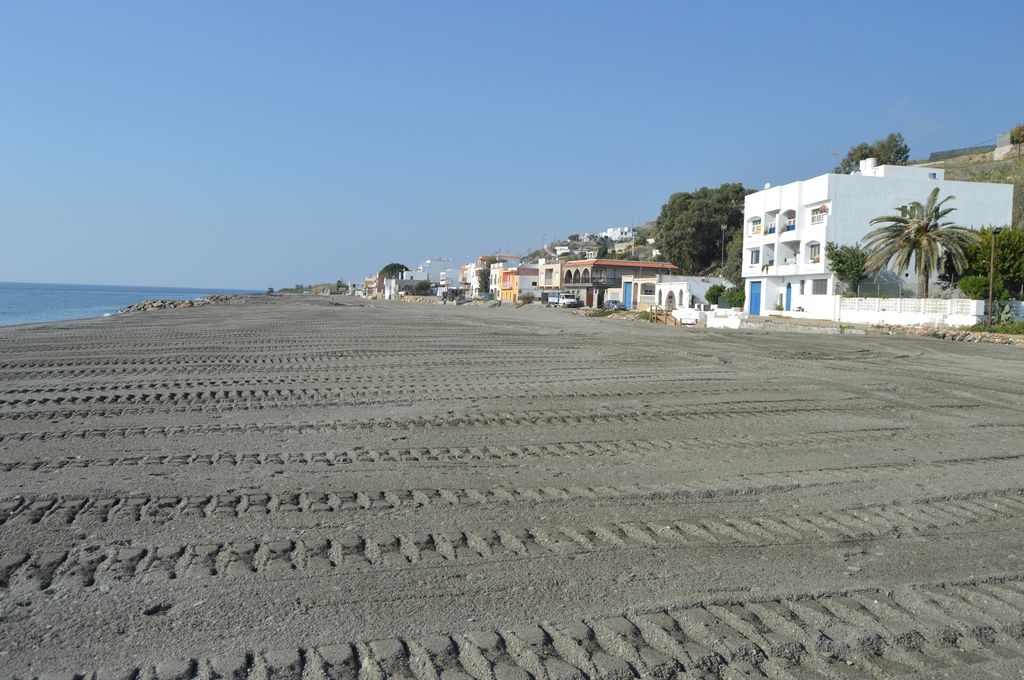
(670, 301)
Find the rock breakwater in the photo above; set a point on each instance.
(149, 305)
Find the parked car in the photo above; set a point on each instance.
(614, 305)
(569, 301)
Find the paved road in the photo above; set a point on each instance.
(367, 490)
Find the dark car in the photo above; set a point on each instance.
(614, 305)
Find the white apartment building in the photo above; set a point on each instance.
(785, 228)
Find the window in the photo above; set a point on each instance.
(802, 282)
(818, 214)
(932, 175)
(814, 252)
(755, 257)
(819, 286)
(755, 225)
(548, 277)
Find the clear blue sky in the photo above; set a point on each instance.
(253, 144)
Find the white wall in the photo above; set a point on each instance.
(857, 199)
(911, 311)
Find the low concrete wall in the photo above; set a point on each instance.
(911, 311)
(689, 317)
(723, 319)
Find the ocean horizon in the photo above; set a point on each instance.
(24, 303)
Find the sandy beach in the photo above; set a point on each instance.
(287, 488)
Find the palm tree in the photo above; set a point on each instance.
(919, 234)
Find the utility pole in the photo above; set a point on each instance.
(724, 228)
(992, 273)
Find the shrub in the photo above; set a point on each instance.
(976, 287)
(714, 292)
(1009, 327)
(527, 298)
(421, 288)
(736, 297)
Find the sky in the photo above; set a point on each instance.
(252, 144)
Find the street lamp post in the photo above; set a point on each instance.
(992, 273)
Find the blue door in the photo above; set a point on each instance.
(789, 295)
(755, 298)
(628, 294)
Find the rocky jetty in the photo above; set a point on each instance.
(149, 305)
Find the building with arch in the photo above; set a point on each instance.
(593, 280)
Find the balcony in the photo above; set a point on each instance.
(771, 229)
(599, 281)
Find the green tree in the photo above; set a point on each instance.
(393, 270)
(849, 263)
(1009, 260)
(919, 235)
(339, 285)
(1017, 134)
(483, 274)
(689, 229)
(892, 150)
(733, 269)
(421, 288)
(270, 291)
(975, 286)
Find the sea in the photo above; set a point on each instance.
(39, 302)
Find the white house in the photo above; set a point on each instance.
(618, 233)
(785, 228)
(673, 291)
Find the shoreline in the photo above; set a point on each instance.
(200, 299)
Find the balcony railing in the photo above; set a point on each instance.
(597, 282)
(771, 229)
